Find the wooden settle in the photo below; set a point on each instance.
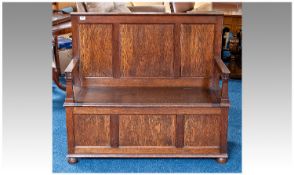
(147, 85)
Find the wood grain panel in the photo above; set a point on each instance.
(147, 130)
(197, 42)
(202, 130)
(96, 50)
(145, 49)
(92, 130)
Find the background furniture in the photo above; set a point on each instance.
(61, 24)
(62, 5)
(233, 21)
(147, 85)
(180, 7)
(134, 7)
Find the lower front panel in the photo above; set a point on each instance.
(147, 130)
(147, 135)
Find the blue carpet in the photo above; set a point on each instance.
(148, 165)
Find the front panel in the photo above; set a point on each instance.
(202, 130)
(92, 130)
(147, 130)
(148, 134)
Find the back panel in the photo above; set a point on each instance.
(96, 50)
(196, 49)
(146, 48)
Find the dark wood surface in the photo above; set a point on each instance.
(62, 28)
(146, 96)
(147, 85)
(59, 18)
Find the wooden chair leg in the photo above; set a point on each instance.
(55, 77)
(56, 64)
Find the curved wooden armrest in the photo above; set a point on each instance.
(225, 72)
(71, 68)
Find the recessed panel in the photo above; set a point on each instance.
(92, 130)
(96, 50)
(202, 130)
(146, 130)
(147, 50)
(197, 42)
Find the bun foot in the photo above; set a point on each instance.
(222, 160)
(72, 160)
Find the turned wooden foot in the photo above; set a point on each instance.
(72, 160)
(222, 160)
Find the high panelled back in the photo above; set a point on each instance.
(146, 50)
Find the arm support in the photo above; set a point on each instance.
(72, 78)
(224, 72)
(71, 68)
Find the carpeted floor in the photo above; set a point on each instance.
(148, 165)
